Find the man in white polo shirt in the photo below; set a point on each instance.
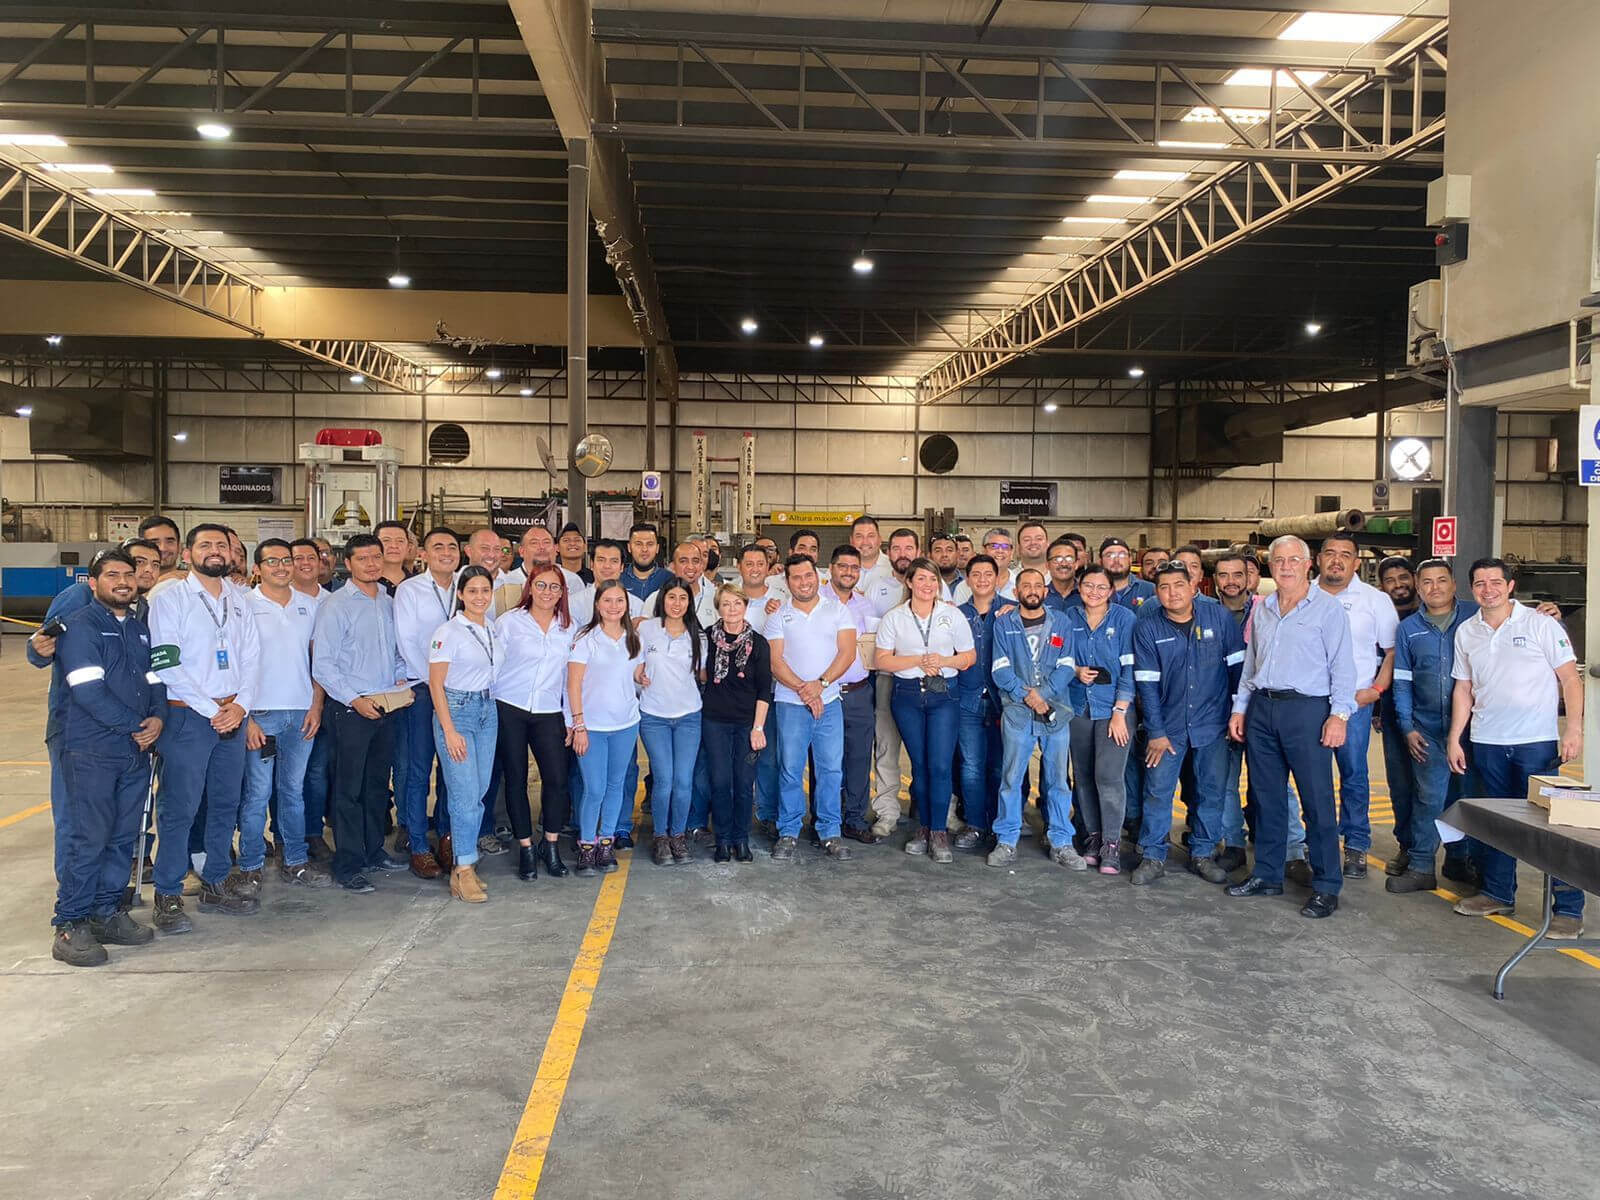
(1372, 627)
(689, 565)
(1512, 666)
(813, 641)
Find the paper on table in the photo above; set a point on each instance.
(1447, 832)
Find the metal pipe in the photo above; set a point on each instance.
(650, 406)
(1315, 524)
(577, 325)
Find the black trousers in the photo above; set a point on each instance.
(546, 735)
(363, 758)
(732, 767)
(860, 717)
(1283, 737)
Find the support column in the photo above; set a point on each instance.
(1469, 483)
(577, 325)
(1591, 609)
(650, 406)
(158, 448)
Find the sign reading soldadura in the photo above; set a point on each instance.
(249, 485)
(1589, 445)
(1027, 498)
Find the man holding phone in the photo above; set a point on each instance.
(282, 725)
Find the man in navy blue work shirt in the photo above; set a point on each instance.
(1187, 658)
(355, 657)
(1117, 559)
(1295, 696)
(1062, 559)
(111, 717)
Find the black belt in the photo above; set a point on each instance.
(846, 688)
(1286, 694)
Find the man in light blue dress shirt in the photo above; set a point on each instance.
(1296, 694)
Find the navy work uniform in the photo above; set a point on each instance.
(111, 692)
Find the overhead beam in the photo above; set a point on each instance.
(368, 360)
(1230, 207)
(571, 71)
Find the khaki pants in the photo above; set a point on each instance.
(885, 756)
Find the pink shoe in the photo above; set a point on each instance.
(1111, 862)
(1091, 850)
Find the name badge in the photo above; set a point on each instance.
(222, 659)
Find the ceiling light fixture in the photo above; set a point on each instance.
(815, 340)
(52, 339)
(180, 436)
(31, 139)
(862, 265)
(1206, 115)
(25, 411)
(1106, 198)
(1107, 220)
(748, 326)
(1181, 145)
(1262, 77)
(213, 131)
(1050, 406)
(1133, 174)
(1313, 328)
(79, 168)
(358, 378)
(493, 373)
(1351, 28)
(525, 391)
(122, 191)
(1135, 372)
(173, 212)
(399, 280)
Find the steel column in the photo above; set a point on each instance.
(577, 325)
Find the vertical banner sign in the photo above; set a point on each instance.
(1589, 445)
(1444, 537)
(699, 485)
(747, 484)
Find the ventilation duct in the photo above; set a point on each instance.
(85, 423)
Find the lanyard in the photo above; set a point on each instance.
(486, 647)
(927, 631)
(222, 625)
(447, 601)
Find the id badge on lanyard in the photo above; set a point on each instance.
(222, 658)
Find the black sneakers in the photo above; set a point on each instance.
(168, 915)
(120, 929)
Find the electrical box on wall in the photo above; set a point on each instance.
(1450, 199)
(1425, 323)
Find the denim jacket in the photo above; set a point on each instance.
(973, 688)
(1015, 666)
(1423, 659)
(1111, 647)
(1186, 684)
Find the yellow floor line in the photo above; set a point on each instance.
(519, 1178)
(22, 762)
(24, 814)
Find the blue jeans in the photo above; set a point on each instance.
(981, 750)
(673, 745)
(478, 721)
(1504, 771)
(1430, 788)
(767, 770)
(699, 794)
(102, 800)
(319, 778)
(1283, 737)
(1210, 764)
(1355, 789)
(196, 764)
(420, 754)
(800, 734)
(927, 723)
(1019, 734)
(1232, 802)
(605, 766)
(283, 775)
(1397, 772)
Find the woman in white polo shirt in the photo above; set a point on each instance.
(925, 642)
(462, 661)
(604, 700)
(669, 715)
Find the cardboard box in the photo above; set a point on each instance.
(1566, 800)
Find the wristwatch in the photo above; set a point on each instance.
(1340, 715)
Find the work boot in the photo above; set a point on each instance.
(466, 886)
(1004, 854)
(1355, 864)
(445, 854)
(191, 883)
(425, 865)
(550, 856)
(586, 860)
(1411, 881)
(120, 929)
(969, 839)
(243, 883)
(604, 860)
(679, 845)
(308, 875)
(919, 842)
(168, 915)
(317, 850)
(783, 849)
(1298, 872)
(527, 862)
(1565, 929)
(741, 853)
(939, 846)
(1398, 864)
(1066, 856)
(1208, 869)
(835, 849)
(76, 945)
(1483, 905)
(1147, 872)
(1231, 858)
(217, 898)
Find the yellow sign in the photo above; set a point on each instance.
(812, 517)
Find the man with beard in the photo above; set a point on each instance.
(207, 651)
(1117, 559)
(964, 551)
(1151, 560)
(1032, 670)
(1233, 592)
(113, 715)
(978, 733)
(645, 574)
(952, 584)
(1399, 582)
(882, 593)
(857, 702)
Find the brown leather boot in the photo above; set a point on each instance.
(465, 885)
(660, 851)
(445, 856)
(425, 865)
(604, 859)
(680, 848)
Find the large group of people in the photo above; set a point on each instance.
(774, 699)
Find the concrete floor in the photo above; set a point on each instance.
(879, 1030)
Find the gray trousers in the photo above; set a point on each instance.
(1098, 764)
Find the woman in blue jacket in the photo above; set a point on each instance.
(1100, 694)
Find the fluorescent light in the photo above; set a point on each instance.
(1068, 237)
(1168, 145)
(748, 325)
(213, 131)
(524, 391)
(122, 191)
(1313, 328)
(815, 341)
(1094, 220)
(25, 411)
(1262, 77)
(79, 168)
(862, 265)
(1354, 28)
(31, 139)
(399, 280)
(493, 373)
(358, 378)
(1151, 176)
(1102, 198)
(1205, 114)
(172, 212)
(1050, 406)
(1135, 372)
(52, 339)
(180, 436)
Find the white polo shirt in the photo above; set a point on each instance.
(944, 632)
(533, 675)
(610, 696)
(581, 606)
(669, 666)
(883, 592)
(705, 604)
(473, 652)
(285, 632)
(810, 643)
(1373, 622)
(1515, 694)
(420, 607)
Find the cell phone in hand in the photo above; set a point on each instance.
(270, 749)
(53, 628)
(1101, 674)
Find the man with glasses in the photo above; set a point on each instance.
(1117, 559)
(997, 544)
(310, 558)
(1062, 561)
(1295, 698)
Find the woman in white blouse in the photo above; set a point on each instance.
(604, 700)
(531, 696)
(925, 642)
(462, 661)
(669, 721)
